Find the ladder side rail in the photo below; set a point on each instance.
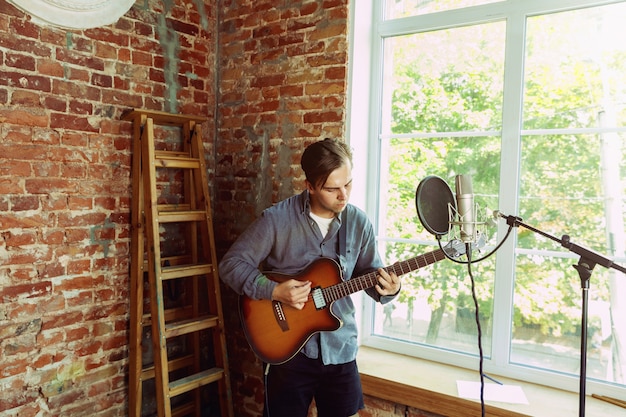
(188, 132)
(136, 275)
(153, 245)
(213, 284)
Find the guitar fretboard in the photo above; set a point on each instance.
(343, 289)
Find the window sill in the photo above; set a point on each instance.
(431, 387)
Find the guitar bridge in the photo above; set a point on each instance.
(279, 315)
(318, 298)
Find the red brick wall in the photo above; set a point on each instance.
(65, 193)
(283, 85)
(65, 173)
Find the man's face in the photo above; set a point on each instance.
(332, 197)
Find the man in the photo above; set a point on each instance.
(288, 237)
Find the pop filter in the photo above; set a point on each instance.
(432, 200)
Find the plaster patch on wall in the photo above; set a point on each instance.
(204, 20)
(95, 233)
(169, 40)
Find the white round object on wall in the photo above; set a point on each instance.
(74, 14)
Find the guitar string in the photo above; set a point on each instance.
(337, 291)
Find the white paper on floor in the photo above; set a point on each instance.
(493, 392)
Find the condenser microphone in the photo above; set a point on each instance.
(465, 207)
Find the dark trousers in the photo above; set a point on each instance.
(291, 387)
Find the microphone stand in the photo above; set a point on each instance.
(588, 260)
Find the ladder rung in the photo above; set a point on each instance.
(172, 365)
(163, 118)
(182, 216)
(170, 260)
(167, 159)
(183, 410)
(177, 313)
(183, 271)
(179, 328)
(195, 381)
(173, 207)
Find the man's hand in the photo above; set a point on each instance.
(388, 284)
(292, 292)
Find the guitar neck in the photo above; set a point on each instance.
(363, 282)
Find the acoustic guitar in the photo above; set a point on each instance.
(277, 332)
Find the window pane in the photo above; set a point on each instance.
(573, 184)
(581, 196)
(574, 69)
(439, 86)
(444, 81)
(403, 8)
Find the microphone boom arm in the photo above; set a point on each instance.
(592, 258)
(587, 261)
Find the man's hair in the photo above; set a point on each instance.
(321, 158)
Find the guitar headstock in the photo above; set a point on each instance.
(456, 248)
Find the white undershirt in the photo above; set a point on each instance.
(322, 222)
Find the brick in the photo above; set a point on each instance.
(150, 46)
(122, 99)
(79, 203)
(25, 98)
(80, 107)
(64, 319)
(26, 81)
(16, 169)
(76, 139)
(56, 104)
(45, 136)
(25, 290)
(53, 36)
(142, 29)
(48, 67)
(102, 80)
(50, 185)
(25, 28)
(79, 59)
(105, 51)
(76, 235)
(21, 61)
(77, 74)
(66, 121)
(9, 9)
(182, 27)
(78, 43)
(52, 237)
(141, 58)
(19, 238)
(11, 221)
(73, 170)
(104, 34)
(46, 169)
(30, 46)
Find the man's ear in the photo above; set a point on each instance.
(309, 186)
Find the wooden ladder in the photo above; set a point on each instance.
(172, 243)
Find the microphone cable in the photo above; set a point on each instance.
(468, 254)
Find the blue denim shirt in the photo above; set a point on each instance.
(286, 239)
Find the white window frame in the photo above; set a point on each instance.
(368, 31)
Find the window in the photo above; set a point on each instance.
(529, 99)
